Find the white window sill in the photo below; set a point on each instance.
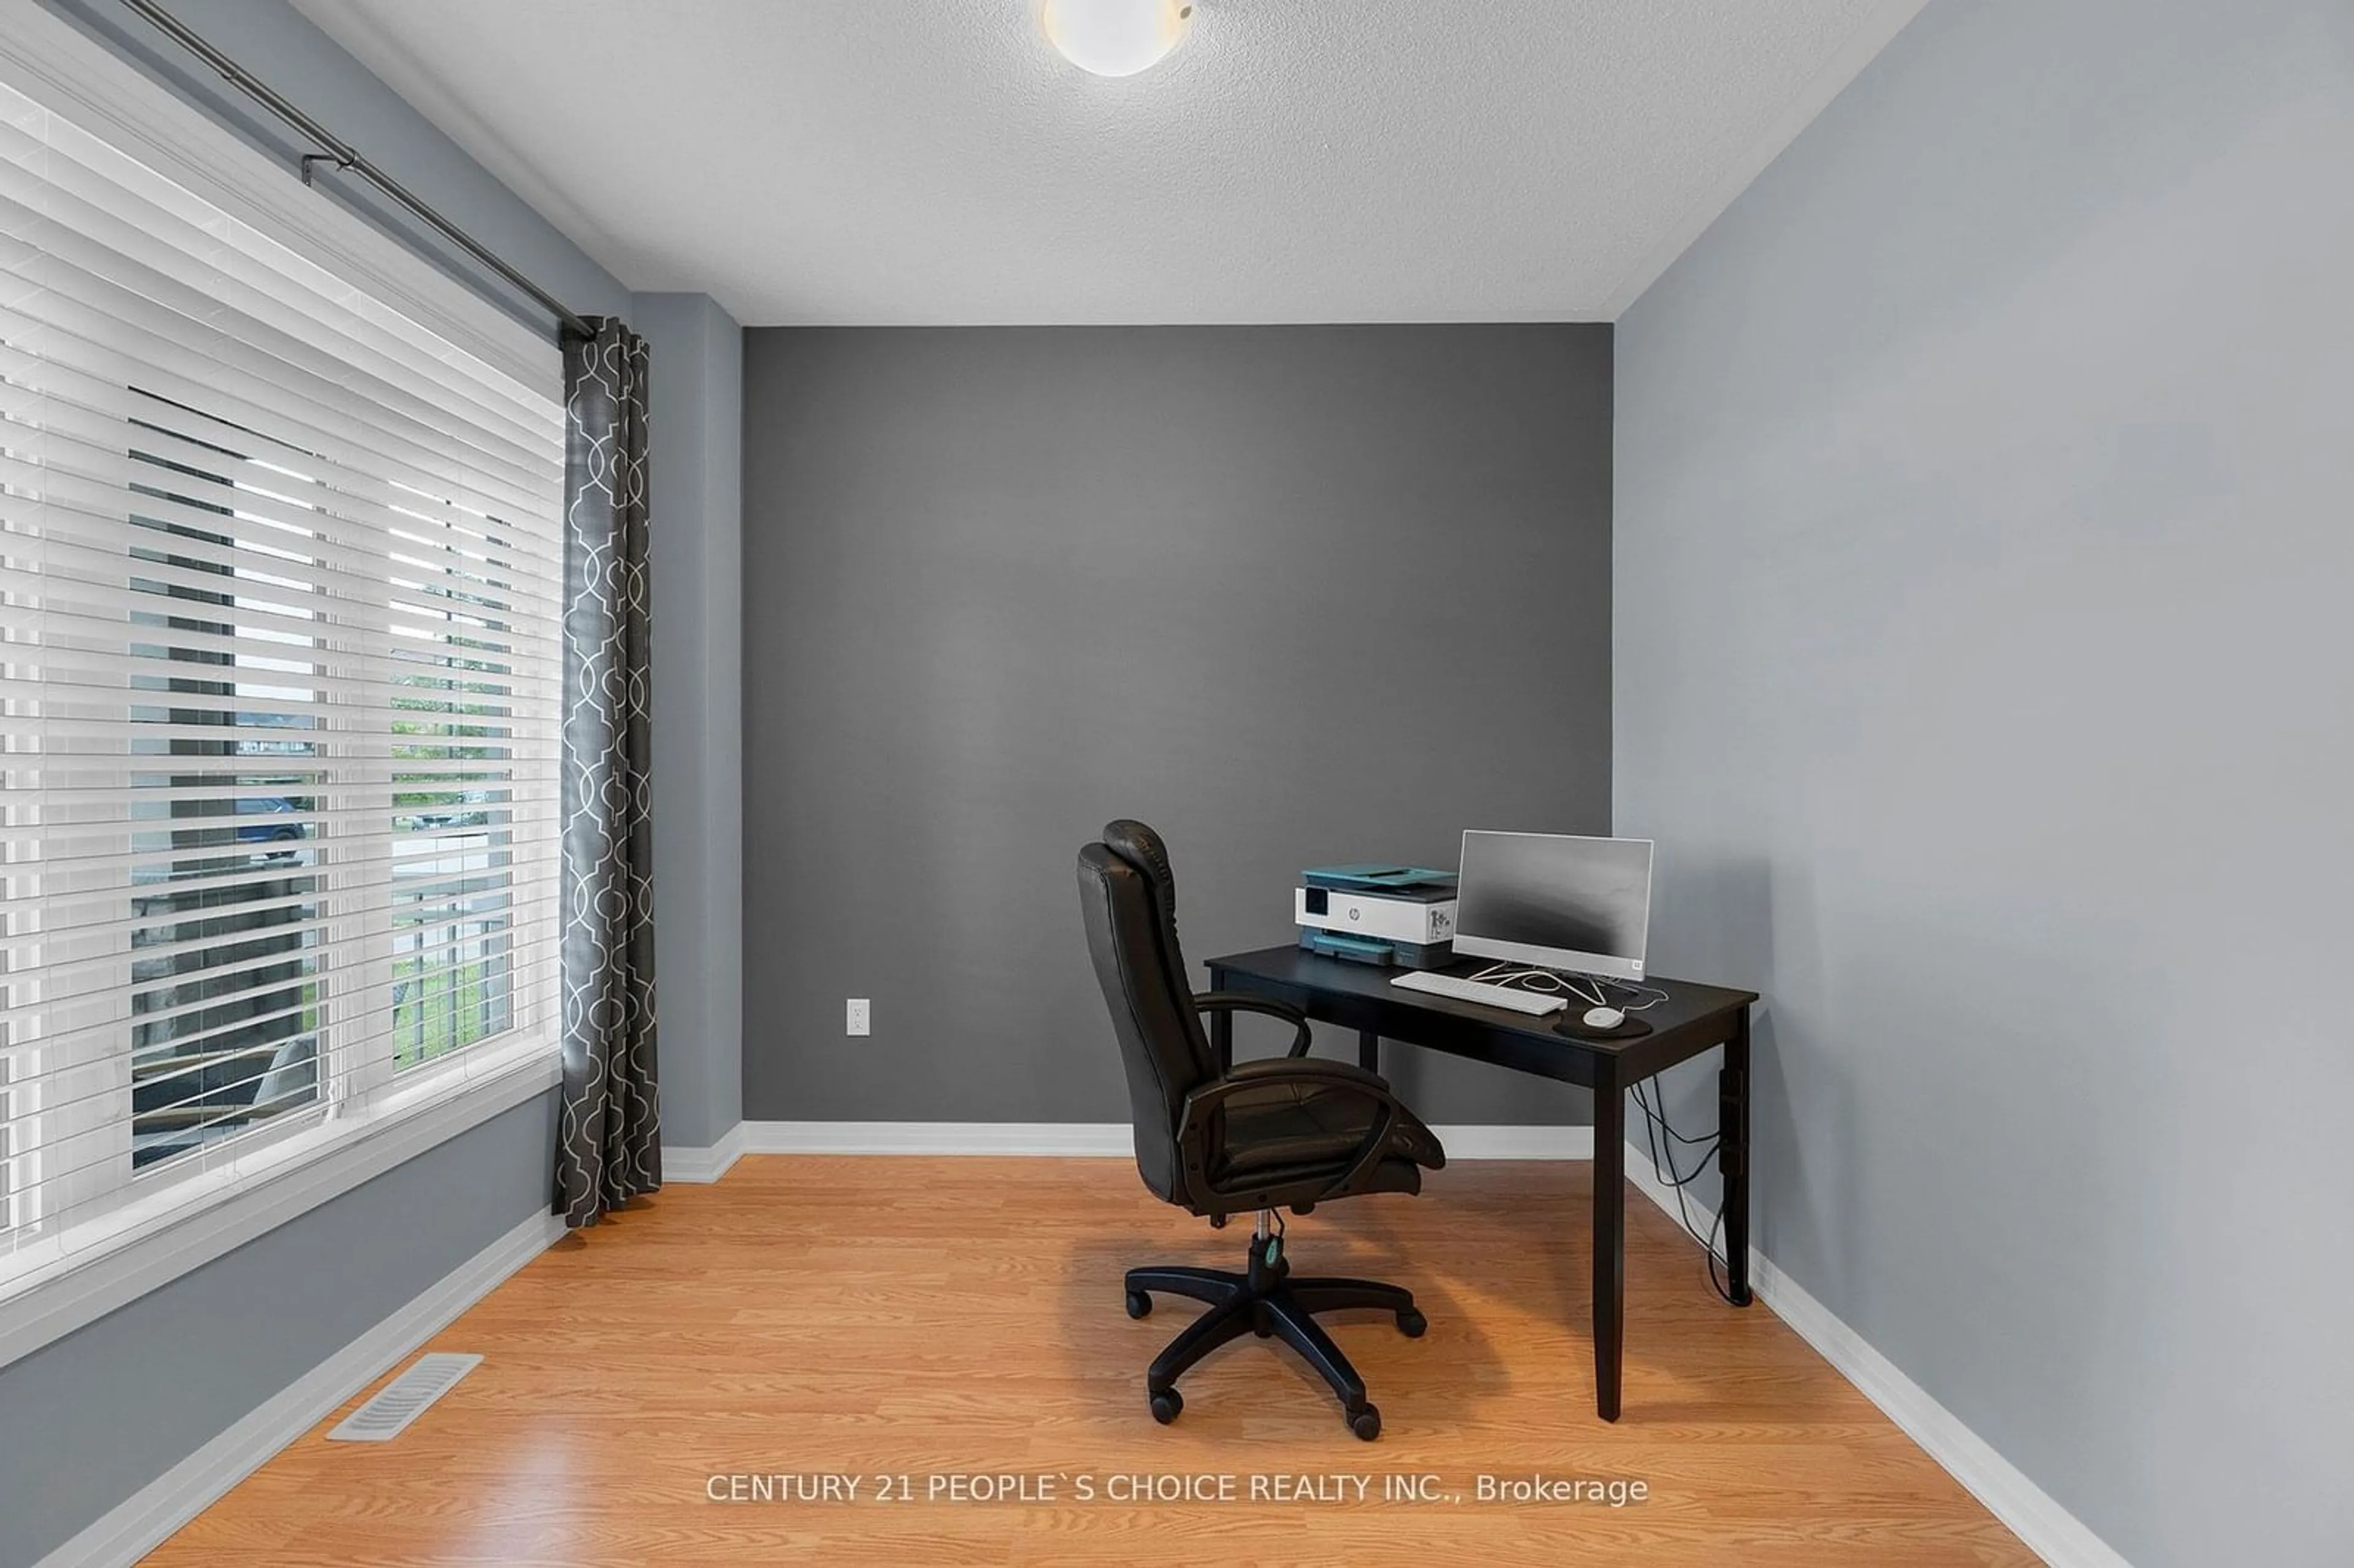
(187, 1225)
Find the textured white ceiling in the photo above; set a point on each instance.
(935, 161)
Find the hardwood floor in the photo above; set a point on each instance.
(932, 1318)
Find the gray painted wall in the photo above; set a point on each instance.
(1294, 595)
(1983, 668)
(90, 1419)
(697, 469)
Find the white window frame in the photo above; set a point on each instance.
(155, 1235)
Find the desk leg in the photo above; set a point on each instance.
(1221, 1039)
(1369, 1050)
(1733, 1156)
(1609, 1242)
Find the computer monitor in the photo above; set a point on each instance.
(1555, 900)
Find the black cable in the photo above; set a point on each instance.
(1724, 1288)
(1692, 1175)
(1660, 1120)
(1655, 1121)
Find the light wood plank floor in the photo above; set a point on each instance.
(934, 1317)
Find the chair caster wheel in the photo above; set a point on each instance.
(1166, 1404)
(1139, 1305)
(1413, 1324)
(1366, 1423)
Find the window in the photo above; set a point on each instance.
(279, 668)
(16, 1200)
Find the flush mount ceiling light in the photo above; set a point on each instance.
(1116, 37)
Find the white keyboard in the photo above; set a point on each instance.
(1535, 1003)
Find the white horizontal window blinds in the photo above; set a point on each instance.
(279, 578)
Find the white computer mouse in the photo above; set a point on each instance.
(1604, 1018)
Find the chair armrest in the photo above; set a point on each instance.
(1193, 1125)
(1274, 1072)
(1242, 1001)
(1320, 1069)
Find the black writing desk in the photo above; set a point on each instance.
(1693, 1019)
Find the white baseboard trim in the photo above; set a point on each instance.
(1475, 1141)
(2049, 1531)
(696, 1166)
(141, 1522)
(1068, 1139)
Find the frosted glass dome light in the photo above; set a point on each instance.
(1116, 37)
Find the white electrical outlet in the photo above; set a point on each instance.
(858, 1015)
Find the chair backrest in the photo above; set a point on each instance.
(1128, 900)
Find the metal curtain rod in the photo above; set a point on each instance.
(344, 156)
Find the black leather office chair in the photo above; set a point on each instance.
(1289, 1132)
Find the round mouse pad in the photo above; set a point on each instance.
(1574, 1024)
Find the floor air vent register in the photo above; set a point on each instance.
(403, 1400)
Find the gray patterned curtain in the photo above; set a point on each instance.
(609, 1147)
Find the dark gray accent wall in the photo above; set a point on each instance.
(87, 1421)
(1983, 669)
(1293, 595)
